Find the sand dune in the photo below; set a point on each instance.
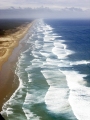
(10, 40)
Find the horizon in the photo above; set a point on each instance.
(45, 9)
(30, 13)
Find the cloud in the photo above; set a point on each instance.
(73, 9)
(43, 12)
(48, 3)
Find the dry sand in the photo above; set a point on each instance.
(9, 42)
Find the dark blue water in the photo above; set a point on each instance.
(76, 34)
(54, 73)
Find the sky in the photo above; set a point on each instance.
(82, 7)
(55, 4)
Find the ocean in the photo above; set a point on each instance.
(54, 73)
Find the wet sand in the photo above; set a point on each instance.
(10, 47)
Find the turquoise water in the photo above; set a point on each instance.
(52, 85)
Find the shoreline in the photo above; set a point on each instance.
(8, 79)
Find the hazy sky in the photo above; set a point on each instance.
(56, 4)
(59, 8)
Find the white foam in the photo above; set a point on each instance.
(80, 101)
(48, 27)
(46, 45)
(14, 100)
(79, 62)
(79, 97)
(44, 53)
(48, 38)
(60, 49)
(35, 54)
(61, 53)
(74, 78)
(32, 97)
(38, 44)
(59, 44)
(54, 77)
(46, 32)
(30, 115)
(64, 63)
(56, 36)
(56, 100)
(53, 62)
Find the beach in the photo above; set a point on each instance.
(11, 43)
(48, 72)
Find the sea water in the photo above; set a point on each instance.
(54, 73)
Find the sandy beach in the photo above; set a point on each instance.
(10, 46)
(10, 41)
